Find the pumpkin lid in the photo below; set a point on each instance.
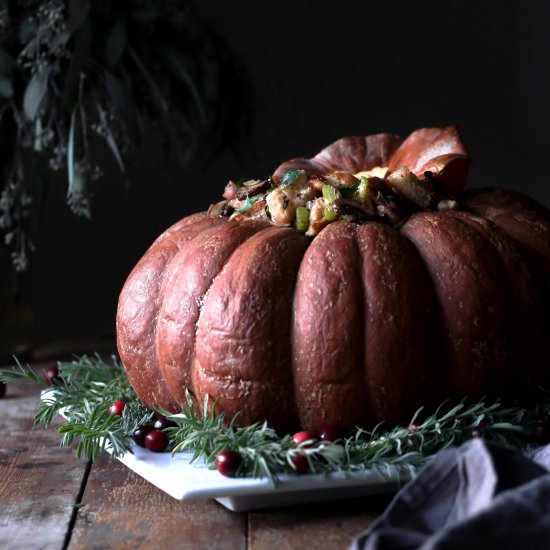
(436, 150)
(359, 178)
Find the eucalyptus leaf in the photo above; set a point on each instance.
(27, 30)
(116, 42)
(109, 138)
(78, 11)
(70, 154)
(111, 142)
(6, 62)
(58, 60)
(179, 70)
(82, 45)
(38, 135)
(124, 104)
(77, 197)
(35, 93)
(4, 108)
(163, 104)
(40, 186)
(6, 87)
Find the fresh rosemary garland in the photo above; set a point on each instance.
(87, 387)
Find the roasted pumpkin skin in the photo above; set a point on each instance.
(365, 323)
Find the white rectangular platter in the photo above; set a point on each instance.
(184, 481)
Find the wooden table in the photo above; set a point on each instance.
(48, 499)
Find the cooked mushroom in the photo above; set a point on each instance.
(390, 210)
(341, 179)
(408, 186)
(374, 186)
(251, 188)
(350, 207)
(222, 208)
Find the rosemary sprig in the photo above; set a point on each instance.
(83, 393)
(407, 448)
(87, 387)
(264, 453)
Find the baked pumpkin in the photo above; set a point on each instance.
(400, 290)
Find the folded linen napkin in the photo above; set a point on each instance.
(477, 496)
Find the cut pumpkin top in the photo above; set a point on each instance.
(426, 149)
(359, 178)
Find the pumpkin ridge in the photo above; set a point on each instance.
(177, 314)
(136, 316)
(524, 305)
(205, 297)
(399, 356)
(180, 224)
(243, 335)
(326, 336)
(477, 200)
(466, 273)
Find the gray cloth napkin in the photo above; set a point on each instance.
(477, 496)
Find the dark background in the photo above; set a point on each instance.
(316, 71)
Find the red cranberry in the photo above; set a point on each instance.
(156, 441)
(161, 423)
(51, 374)
(413, 426)
(329, 433)
(300, 437)
(140, 432)
(301, 464)
(2, 389)
(227, 463)
(480, 431)
(117, 407)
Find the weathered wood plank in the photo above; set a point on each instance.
(39, 481)
(121, 510)
(325, 525)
